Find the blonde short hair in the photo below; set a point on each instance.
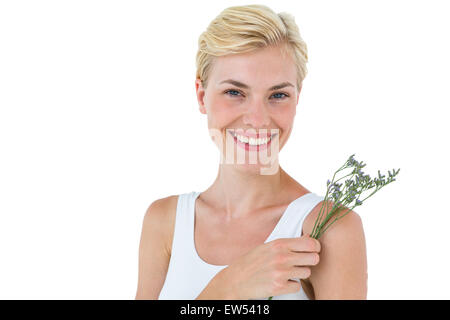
(240, 29)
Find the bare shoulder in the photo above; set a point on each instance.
(155, 247)
(160, 215)
(342, 269)
(352, 220)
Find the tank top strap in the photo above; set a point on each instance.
(183, 224)
(292, 222)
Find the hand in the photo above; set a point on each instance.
(267, 269)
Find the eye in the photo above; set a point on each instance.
(236, 93)
(232, 93)
(282, 97)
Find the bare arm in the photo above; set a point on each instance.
(218, 288)
(154, 254)
(342, 271)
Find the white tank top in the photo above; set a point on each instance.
(188, 274)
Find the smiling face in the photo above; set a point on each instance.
(250, 93)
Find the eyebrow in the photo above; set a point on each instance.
(244, 86)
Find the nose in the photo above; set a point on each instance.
(257, 115)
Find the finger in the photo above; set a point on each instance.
(303, 244)
(289, 286)
(299, 272)
(303, 259)
(293, 286)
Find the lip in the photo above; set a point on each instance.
(249, 147)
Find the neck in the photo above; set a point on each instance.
(244, 191)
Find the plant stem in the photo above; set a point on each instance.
(335, 210)
(335, 219)
(321, 212)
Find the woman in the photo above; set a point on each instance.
(246, 236)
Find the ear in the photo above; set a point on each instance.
(200, 91)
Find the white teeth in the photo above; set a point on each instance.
(251, 141)
(242, 139)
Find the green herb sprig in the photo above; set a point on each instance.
(349, 196)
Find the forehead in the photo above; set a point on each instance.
(262, 67)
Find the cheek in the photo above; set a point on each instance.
(284, 116)
(220, 113)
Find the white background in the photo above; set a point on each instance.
(98, 118)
